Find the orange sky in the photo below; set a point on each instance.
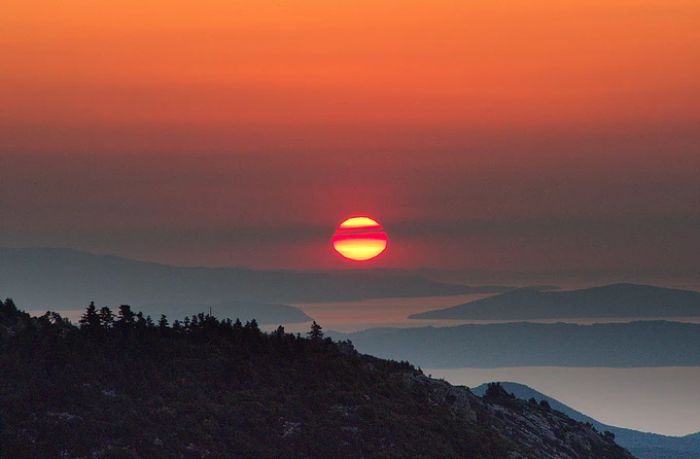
(247, 116)
(486, 64)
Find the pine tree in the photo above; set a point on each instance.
(90, 319)
(140, 319)
(163, 322)
(106, 318)
(126, 316)
(315, 334)
(10, 306)
(253, 326)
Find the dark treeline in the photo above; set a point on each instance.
(121, 385)
(126, 330)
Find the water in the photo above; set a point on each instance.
(349, 316)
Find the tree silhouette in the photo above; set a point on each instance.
(315, 334)
(106, 318)
(10, 306)
(140, 320)
(90, 319)
(126, 316)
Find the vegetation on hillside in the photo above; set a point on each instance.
(126, 386)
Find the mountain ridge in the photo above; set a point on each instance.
(126, 388)
(623, 300)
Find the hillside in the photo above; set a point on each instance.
(127, 388)
(615, 300)
(59, 279)
(634, 344)
(643, 445)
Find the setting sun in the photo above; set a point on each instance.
(360, 238)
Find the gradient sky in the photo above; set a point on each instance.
(498, 135)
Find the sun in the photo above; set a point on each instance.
(360, 238)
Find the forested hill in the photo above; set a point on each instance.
(125, 387)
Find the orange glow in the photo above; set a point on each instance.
(285, 65)
(503, 135)
(360, 239)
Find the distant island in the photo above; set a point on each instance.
(643, 445)
(615, 300)
(635, 344)
(122, 385)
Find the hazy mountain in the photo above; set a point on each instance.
(615, 300)
(645, 343)
(69, 279)
(644, 445)
(128, 390)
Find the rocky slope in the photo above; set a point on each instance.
(536, 429)
(644, 445)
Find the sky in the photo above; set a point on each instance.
(520, 136)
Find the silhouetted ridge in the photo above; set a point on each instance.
(125, 385)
